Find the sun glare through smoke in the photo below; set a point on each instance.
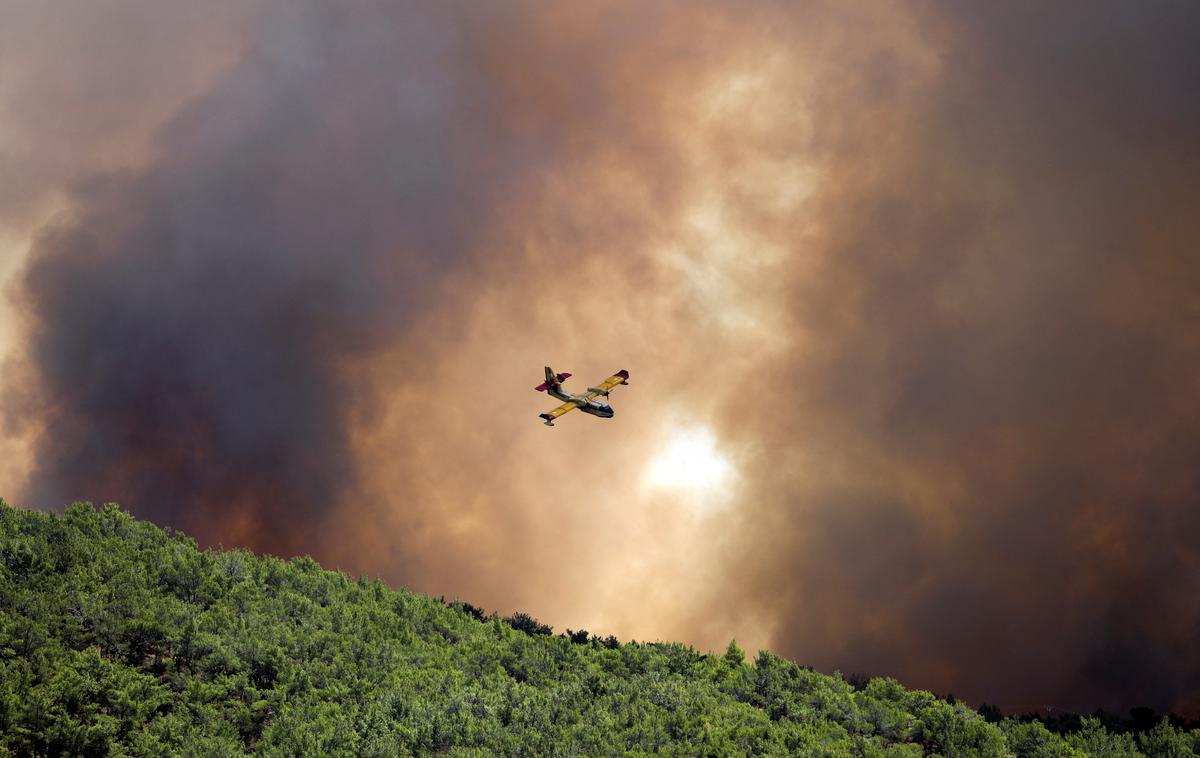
(690, 461)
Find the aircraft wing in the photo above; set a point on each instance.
(618, 378)
(560, 410)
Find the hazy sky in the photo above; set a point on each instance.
(909, 295)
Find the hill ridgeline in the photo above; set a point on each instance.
(121, 638)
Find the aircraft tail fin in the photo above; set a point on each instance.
(552, 380)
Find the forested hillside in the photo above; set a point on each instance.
(119, 638)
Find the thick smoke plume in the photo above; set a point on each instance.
(925, 273)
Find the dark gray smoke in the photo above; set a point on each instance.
(198, 324)
(1002, 397)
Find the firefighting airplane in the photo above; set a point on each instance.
(586, 403)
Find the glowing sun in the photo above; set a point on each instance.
(690, 461)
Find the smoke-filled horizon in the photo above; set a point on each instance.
(908, 296)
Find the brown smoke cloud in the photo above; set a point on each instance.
(920, 274)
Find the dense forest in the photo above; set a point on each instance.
(121, 638)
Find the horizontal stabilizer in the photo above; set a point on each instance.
(558, 379)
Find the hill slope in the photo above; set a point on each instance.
(118, 638)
